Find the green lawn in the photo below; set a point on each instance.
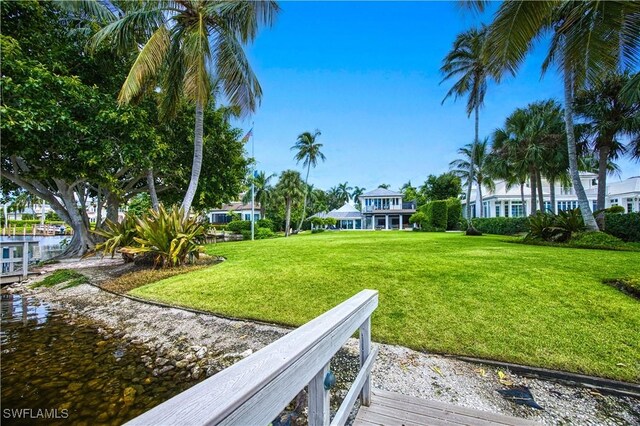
(447, 293)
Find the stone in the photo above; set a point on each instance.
(165, 369)
(74, 386)
(196, 372)
(182, 363)
(129, 396)
(201, 353)
(190, 358)
(161, 361)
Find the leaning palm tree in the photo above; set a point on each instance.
(588, 39)
(290, 188)
(186, 48)
(608, 119)
(308, 151)
(263, 191)
(474, 161)
(467, 61)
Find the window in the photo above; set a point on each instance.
(247, 216)
(629, 206)
(594, 205)
(547, 206)
(497, 210)
(517, 209)
(614, 202)
(567, 205)
(594, 182)
(485, 209)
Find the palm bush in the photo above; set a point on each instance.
(168, 236)
(555, 228)
(117, 235)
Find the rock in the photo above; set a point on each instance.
(246, 353)
(74, 386)
(165, 369)
(182, 363)
(147, 381)
(211, 370)
(161, 361)
(190, 357)
(129, 396)
(201, 353)
(196, 372)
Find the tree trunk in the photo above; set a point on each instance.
(524, 203)
(99, 208)
(197, 159)
(533, 196)
(287, 221)
(552, 195)
(81, 242)
(540, 194)
(480, 200)
(304, 203)
(603, 161)
(152, 190)
(42, 214)
(472, 165)
(113, 205)
(583, 202)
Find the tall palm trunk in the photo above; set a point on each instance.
(603, 154)
(197, 159)
(524, 203)
(304, 203)
(533, 195)
(552, 194)
(152, 190)
(480, 199)
(583, 202)
(540, 194)
(472, 165)
(287, 221)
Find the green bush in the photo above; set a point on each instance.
(317, 230)
(454, 213)
(317, 221)
(329, 221)
(438, 214)
(418, 218)
(558, 228)
(168, 237)
(265, 223)
(259, 234)
(24, 222)
(502, 225)
(624, 226)
(237, 226)
(116, 236)
(53, 216)
(29, 216)
(599, 240)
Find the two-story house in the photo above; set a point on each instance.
(385, 209)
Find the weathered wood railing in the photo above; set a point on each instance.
(258, 388)
(15, 257)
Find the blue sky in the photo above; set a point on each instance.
(366, 74)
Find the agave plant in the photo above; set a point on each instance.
(117, 235)
(168, 236)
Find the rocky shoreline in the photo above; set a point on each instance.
(192, 346)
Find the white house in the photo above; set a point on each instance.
(222, 215)
(505, 201)
(347, 217)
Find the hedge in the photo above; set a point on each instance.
(624, 226)
(454, 213)
(237, 226)
(439, 214)
(502, 225)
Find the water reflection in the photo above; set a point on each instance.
(52, 361)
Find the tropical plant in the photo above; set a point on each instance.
(555, 228)
(588, 39)
(474, 164)
(608, 119)
(188, 48)
(467, 62)
(117, 235)
(384, 186)
(290, 188)
(308, 151)
(263, 191)
(355, 195)
(171, 238)
(343, 193)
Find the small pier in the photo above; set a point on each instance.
(15, 260)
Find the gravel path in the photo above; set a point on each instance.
(397, 368)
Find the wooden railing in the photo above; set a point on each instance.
(15, 263)
(255, 390)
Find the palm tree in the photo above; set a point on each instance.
(608, 118)
(189, 47)
(263, 191)
(308, 151)
(589, 38)
(291, 188)
(343, 193)
(355, 195)
(475, 164)
(334, 198)
(467, 61)
(384, 186)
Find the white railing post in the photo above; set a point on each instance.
(365, 349)
(319, 399)
(25, 259)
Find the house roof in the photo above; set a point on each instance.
(345, 212)
(235, 206)
(382, 192)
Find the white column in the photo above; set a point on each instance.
(353, 224)
(400, 226)
(386, 221)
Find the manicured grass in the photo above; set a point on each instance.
(476, 296)
(72, 278)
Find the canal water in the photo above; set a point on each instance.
(62, 367)
(48, 246)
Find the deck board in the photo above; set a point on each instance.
(389, 408)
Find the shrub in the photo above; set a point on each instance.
(438, 214)
(502, 225)
(317, 221)
(265, 223)
(329, 221)
(317, 230)
(237, 226)
(599, 240)
(28, 216)
(624, 226)
(454, 213)
(52, 216)
(570, 220)
(418, 218)
(555, 228)
(258, 234)
(117, 235)
(169, 237)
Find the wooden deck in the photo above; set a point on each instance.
(391, 409)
